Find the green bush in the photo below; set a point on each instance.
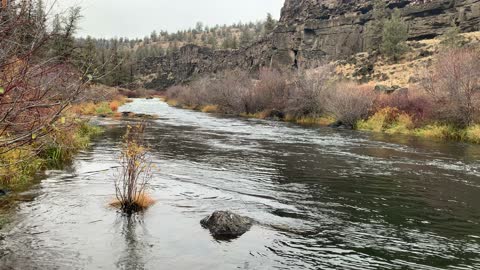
(395, 35)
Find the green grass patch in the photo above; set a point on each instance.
(103, 109)
(19, 166)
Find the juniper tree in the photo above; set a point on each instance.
(269, 24)
(375, 29)
(394, 36)
(452, 38)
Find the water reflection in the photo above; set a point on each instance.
(134, 251)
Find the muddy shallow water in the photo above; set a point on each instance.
(324, 199)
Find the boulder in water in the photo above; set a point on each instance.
(226, 225)
(340, 124)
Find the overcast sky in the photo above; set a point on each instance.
(128, 18)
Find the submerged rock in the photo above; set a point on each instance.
(226, 225)
(340, 124)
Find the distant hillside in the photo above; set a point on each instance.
(311, 33)
(117, 59)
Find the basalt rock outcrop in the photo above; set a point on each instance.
(311, 32)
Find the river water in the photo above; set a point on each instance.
(323, 199)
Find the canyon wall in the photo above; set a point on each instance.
(311, 32)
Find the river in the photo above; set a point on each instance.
(323, 199)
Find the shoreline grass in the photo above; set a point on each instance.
(20, 166)
(388, 121)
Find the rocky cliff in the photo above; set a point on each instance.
(312, 31)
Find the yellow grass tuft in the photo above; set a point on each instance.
(173, 102)
(210, 109)
(472, 134)
(142, 202)
(322, 121)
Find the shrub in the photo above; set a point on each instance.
(103, 109)
(174, 91)
(18, 165)
(349, 102)
(135, 173)
(390, 120)
(114, 105)
(232, 92)
(452, 38)
(308, 94)
(472, 134)
(417, 105)
(454, 85)
(271, 92)
(439, 131)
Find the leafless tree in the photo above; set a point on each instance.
(454, 84)
(349, 102)
(35, 86)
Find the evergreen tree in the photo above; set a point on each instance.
(234, 44)
(269, 24)
(395, 35)
(199, 27)
(88, 62)
(375, 29)
(212, 41)
(245, 37)
(63, 31)
(154, 36)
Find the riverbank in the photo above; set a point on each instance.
(443, 103)
(388, 121)
(22, 164)
(70, 134)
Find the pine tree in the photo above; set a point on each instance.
(154, 36)
(375, 29)
(212, 41)
(245, 37)
(395, 35)
(199, 27)
(88, 63)
(269, 24)
(234, 44)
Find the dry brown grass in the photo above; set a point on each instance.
(114, 105)
(210, 109)
(421, 54)
(142, 202)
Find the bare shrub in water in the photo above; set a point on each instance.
(135, 173)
